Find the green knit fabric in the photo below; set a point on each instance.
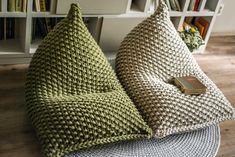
(74, 99)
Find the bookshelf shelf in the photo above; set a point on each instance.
(101, 22)
(52, 15)
(201, 13)
(12, 14)
(15, 47)
(175, 13)
(46, 14)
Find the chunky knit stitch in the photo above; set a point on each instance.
(200, 143)
(74, 99)
(150, 56)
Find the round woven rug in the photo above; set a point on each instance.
(200, 143)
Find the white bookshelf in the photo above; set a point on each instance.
(108, 28)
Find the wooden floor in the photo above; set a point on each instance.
(18, 140)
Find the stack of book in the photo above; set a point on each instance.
(17, 5)
(41, 5)
(7, 28)
(173, 5)
(201, 23)
(194, 5)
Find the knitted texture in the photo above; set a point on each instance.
(200, 143)
(150, 56)
(74, 99)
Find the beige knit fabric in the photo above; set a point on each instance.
(149, 57)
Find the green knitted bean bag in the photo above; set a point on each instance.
(150, 56)
(74, 99)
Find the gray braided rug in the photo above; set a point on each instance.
(199, 143)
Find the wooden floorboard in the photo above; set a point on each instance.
(221, 69)
(17, 138)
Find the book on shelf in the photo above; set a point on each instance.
(205, 24)
(10, 28)
(195, 5)
(201, 5)
(177, 5)
(41, 5)
(18, 6)
(11, 5)
(37, 5)
(7, 28)
(191, 5)
(173, 5)
(190, 20)
(24, 5)
(200, 27)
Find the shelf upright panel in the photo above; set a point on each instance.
(184, 6)
(28, 29)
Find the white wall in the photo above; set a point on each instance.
(225, 23)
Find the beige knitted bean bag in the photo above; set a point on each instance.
(149, 57)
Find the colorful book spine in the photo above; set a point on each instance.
(196, 5)
(205, 24)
